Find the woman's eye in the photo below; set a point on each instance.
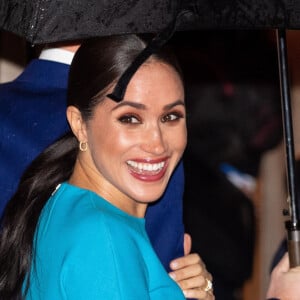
(129, 119)
(171, 117)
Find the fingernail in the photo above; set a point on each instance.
(172, 275)
(185, 293)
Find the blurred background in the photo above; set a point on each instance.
(235, 162)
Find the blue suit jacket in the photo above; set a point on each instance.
(32, 116)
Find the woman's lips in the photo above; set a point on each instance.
(146, 170)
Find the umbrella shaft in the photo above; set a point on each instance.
(287, 123)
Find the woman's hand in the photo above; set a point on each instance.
(285, 282)
(191, 275)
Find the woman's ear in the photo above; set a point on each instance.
(76, 123)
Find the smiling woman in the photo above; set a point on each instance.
(147, 136)
(79, 209)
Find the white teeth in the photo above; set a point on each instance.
(146, 166)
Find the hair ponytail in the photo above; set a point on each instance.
(51, 167)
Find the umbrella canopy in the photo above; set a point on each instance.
(45, 21)
(41, 21)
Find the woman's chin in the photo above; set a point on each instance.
(148, 199)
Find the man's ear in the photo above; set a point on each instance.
(76, 123)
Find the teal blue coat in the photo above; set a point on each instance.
(86, 248)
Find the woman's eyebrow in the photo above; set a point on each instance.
(129, 103)
(171, 105)
(143, 106)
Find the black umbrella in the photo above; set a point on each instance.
(45, 21)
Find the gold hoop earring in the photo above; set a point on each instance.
(83, 146)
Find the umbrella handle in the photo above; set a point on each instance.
(293, 241)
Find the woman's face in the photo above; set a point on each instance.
(134, 145)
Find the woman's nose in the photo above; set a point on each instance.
(154, 141)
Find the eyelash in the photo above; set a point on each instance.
(175, 115)
(127, 119)
(169, 117)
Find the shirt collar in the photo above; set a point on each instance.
(57, 55)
